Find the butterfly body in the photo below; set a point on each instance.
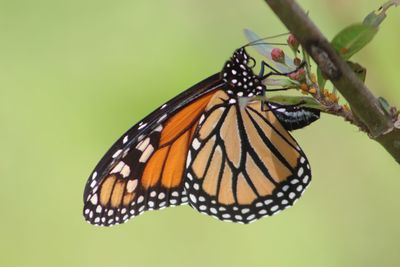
(231, 162)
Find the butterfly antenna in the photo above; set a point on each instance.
(261, 40)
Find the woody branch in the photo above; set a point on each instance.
(363, 103)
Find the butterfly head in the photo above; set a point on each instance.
(239, 76)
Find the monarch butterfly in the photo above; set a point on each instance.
(236, 163)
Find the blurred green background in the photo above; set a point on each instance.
(74, 75)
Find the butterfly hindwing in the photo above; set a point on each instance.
(244, 164)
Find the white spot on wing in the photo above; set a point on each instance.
(196, 144)
(146, 154)
(238, 217)
(98, 209)
(300, 172)
(125, 171)
(262, 212)
(118, 167)
(94, 199)
(140, 199)
(274, 208)
(162, 118)
(117, 153)
(201, 118)
(285, 188)
(142, 145)
(188, 159)
(193, 198)
(268, 201)
(142, 126)
(131, 185)
(299, 188)
(244, 211)
(251, 217)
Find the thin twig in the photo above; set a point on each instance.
(364, 104)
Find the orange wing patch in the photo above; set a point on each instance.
(153, 170)
(167, 164)
(179, 123)
(225, 195)
(175, 163)
(106, 189)
(245, 195)
(114, 192)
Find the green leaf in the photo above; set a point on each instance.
(375, 18)
(305, 101)
(359, 70)
(352, 39)
(269, 82)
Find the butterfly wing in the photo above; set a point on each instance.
(243, 164)
(144, 169)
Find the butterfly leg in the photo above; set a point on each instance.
(262, 70)
(275, 71)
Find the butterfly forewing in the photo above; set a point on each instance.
(144, 169)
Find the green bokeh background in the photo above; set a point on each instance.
(74, 75)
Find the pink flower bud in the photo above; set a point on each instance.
(298, 75)
(297, 61)
(278, 55)
(292, 42)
